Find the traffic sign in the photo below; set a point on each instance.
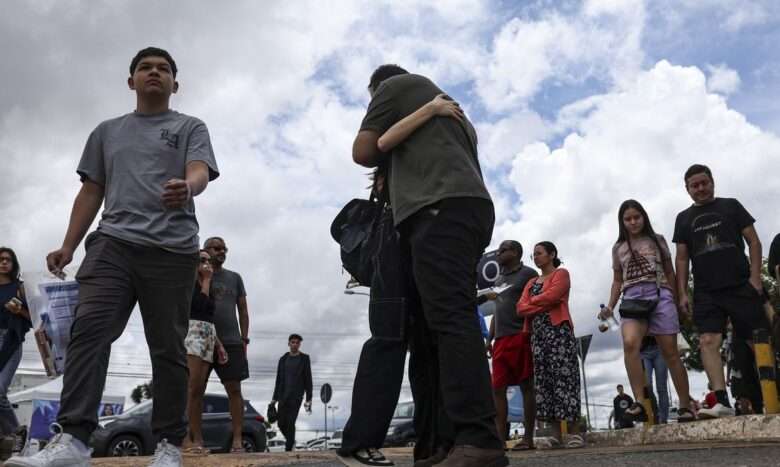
(326, 392)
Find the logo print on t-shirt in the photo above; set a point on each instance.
(706, 229)
(638, 267)
(218, 291)
(171, 139)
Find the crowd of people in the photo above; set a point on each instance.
(436, 218)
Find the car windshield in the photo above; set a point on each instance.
(404, 410)
(143, 408)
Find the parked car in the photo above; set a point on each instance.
(130, 434)
(401, 431)
(316, 444)
(335, 441)
(275, 445)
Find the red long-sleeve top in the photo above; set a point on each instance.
(554, 300)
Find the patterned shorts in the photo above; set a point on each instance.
(201, 340)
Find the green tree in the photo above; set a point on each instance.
(142, 392)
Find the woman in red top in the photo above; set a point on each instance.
(545, 305)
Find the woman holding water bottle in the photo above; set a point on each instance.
(644, 275)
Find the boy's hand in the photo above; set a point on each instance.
(57, 260)
(176, 193)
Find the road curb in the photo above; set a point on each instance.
(751, 428)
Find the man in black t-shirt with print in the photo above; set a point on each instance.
(445, 217)
(620, 404)
(726, 285)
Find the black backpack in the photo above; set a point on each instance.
(352, 229)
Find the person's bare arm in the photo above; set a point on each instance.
(681, 260)
(754, 250)
(85, 208)
(243, 318)
(364, 150)
(441, 105)
(177, 192)
(614, 291)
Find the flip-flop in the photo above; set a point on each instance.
(237, 451)
(195, 451)
(522, 446)
(552, 443)
(575, 442)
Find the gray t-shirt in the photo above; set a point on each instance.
(132, 157)
(437, 161)
(507, 321)
(226, 288)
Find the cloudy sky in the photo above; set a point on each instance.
(578, 105)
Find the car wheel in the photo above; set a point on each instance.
(248, 444)
(125, 445)
(410, 443)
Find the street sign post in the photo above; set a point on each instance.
(583, 344)
(326, 393)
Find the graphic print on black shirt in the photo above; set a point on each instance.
(713, 234)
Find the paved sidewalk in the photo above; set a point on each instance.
(700, 454)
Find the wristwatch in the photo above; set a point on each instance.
(245, 340)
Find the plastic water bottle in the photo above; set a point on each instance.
(606, 324)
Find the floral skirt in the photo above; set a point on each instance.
(201, 339)
(556, 370)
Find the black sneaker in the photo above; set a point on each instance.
(363, 457)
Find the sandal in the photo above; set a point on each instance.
(195, 451)
(636, 412)
(685, 415)
(575, 442)
(552, 443)
(522, 446)
(238, 450)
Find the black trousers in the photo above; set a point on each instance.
(380, 369)
(286, 418)
(113, 277)
(443, 243)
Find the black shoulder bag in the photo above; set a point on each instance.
(637, 308)
(353, 230)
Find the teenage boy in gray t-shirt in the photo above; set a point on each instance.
(145, 168)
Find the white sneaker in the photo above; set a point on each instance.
(60, 452)
(717, 411)
(166, 455)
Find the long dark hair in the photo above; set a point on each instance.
(550, 248)
(15, 269)
(647, 228)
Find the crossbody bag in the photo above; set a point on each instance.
(640, 308)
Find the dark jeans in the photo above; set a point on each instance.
(380, 369)
(444, 242)
(287, 415)
(113, 277)
(397, 324)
